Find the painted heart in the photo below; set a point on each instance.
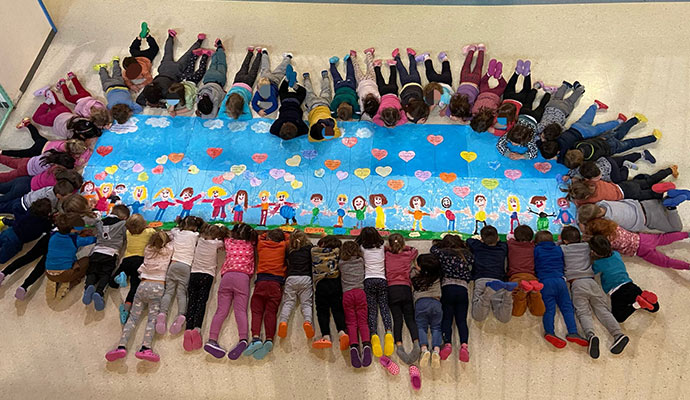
(494, 165)
(143, 177)
(319, 173)
(288, 177)
(332, 164)
(448, 177)
(254, 182)
(158, 169)
(461, 191)
(214, 152)
(104, 150)
(422, 175)
(543, 167)
(468, 156)
(349, 141)
(111, 169)
(259, 157)
(293, 161)
(175, 157)
(137, 168)
(406, 155)
(414, 234)
(395, 184)
(193, 169)
(362, 173)
(513, 174)
(276, 173)
(162, 160)
(341, 175)
(435, 139)
(187, 162)
(309, 154)
(384, 171)
(125, 164)
(100, 176)
(296, 184)
(248, 175)
(379, 154)
(490, 184)
(238, 169)
(217, 179)
(228, 176)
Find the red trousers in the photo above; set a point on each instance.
(81, 92)
(264, 305)
(355, 305)
(45, 113)
(18, 166)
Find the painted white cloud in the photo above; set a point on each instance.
(160, 122)
(261, 127)
(213, 124)
(237, 126)
(364, 133)
(128, 127)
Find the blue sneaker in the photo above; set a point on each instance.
(253, 347)
(98, 302)
(347, 57)
(124, 314)
(674, 201)
(649, 157)
(290, 75)
(121, 279)
(334, 60)
(264, 350)
(510, 286)
(88, 294)
(496, 285)
(678, 192)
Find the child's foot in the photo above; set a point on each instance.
(197, 341)
(176, 326)
(422, 57)
(376, 345)
(510, 286)
(282, 329)
(370, 50)
(213, 348)
(464, 353)
(187, 340)
(576, 84)
(250, 49)
(59, 83)
(538, 85)
(395, 53)
(218, 43)
(287, 55)
(116, 354)
(161, 323)
(24, 123)
(198, 52)
(630, 165)
(144, 30)
(308, 329)
(389, 365)
(555, 340)
(657, 134)
(641, 117)
(322, 343)
(415, 378)
(334, 60)
(411, 51)
(496, 285)
(51, 289)
(201, 36)
(377, 63)
(391, 62)
(404, 357)
(663, 187)
(354, 357)
(675, 201)
(264, 350)
(208, 52)
(442, 56)
(98, 302)
(648, 157)
(237, 351)
(20, 293)
(621, 117)
(600, 105)
(593, 347)
(536, 286)
(425, 359)
(124, 313)
(568, 85)
(491, 70)
(121, 279)
(172, 32)
(435, 360)
(619, 344)
(62, 290)
(526, 286)
(344, 341)
(651, 297)
(352, 54)
(470, 47)
(324, 74)
(446, 351)
(147, 355)
(643, 303)
(481, 47)
(366, 355)
(499, 70)
(42, 92)
(388, 344)
(577, 339)
(70, 75)
(526, 68)
(674, 171)
(264, 51)
(519, 67)
(253, 347)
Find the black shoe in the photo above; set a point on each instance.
(593, 347)
(619, 344)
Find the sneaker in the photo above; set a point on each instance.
(388, 344)
(308, 329)
(650, 297)
(675, 201)
(510, 286)
(536, 286)
(496, 285)
(98, 67)
(593, 347)
(600, 105)
(435, 360)
(147, 355)
(621, 117)
(59, 83)
(619, 344)
(464, 353)
(250, 49)
(442, 56)
(411, 51)
(674, 171)
(555, 340)
(657, 134)
(124, 314)
(144, 30)
(568, 84)
(42, 91)
(376, 345)
(237, 351)
(88, 295)
(333, 60)
(649, 157)
(201, 36)
(422, 57)
(355, 361)
(24, 123)
(630, 165)
(366, 355)
(98, 302)
(198, 52)
(576, 84)
(446, 351)
(161, 323)
(395, 53)
(253, 347)
(266, 348)
(577, 339)
(282, 329)
(51, 289)
(213, 348)
(425, 359)
(481, 47)
(121, 279)
(391, 62)
(20, 293)
(641, 117)
(370, 50)
(526, 286)
(116, 354)
(218, 43)
(470, 47)
(663, 187)
(176, 326)
(353, 54)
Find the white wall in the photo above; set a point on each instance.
(25, 28)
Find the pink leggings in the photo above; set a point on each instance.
(648, 251)
(45, 114)
(234, 287)
(81, 92)
(498, 90)
(18, 165)
(355, 305)
(469, 74)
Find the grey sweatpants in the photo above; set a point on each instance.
(661, 218)
(149, 295)
(587, 292)
(278, 74)
(176, 282)
(565, 105)
(485, 299)
(108, 81)
(324, 97)
(170, 67)
(297, 287)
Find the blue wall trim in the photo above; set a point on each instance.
(45, 11)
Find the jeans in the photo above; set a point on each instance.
(15, 189)
(587, 130)
(349, 81)
(429, 315)
(218, 69)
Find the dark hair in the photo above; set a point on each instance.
(600, 246)
(234, 105)
(158, 241)
(489, 235)
(152, 93)
(63, 223)
(579, 190)
(204, 105)
(55, 157)
(211, 231)
(121, 113)
(390, 116)
(508, 111)
(523, 233)
(429, 272)
(573, 158)
(589, 170)
(549, 149)
(417, 109)
(344, 111)
(244, 232)
(571, 234)
(350, 250)
(316, 196)
(275, 235)
(543, 236)
(552, 131)
(384, 200)
(190, 223)
(63, 188)
(41, 208)
(428, 92)
(370, 104)
(459, 106)
(127, 61)
(482, 120)
(421, 200)
(121, 210)
(135, 224)
(83, 129)
(288, 131)
(177, 91)
(453, 243)
(329, 242)
(396, 243)
(69, 175)
(520, 134)
(298, 239)
(369, 238)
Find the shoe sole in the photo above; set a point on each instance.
(308, 330)
(425, 359)
(214, 351)
(580, 341)
(555, 341)
(619, 345)
(663, 187)
(114, 357)
(282, 330)
(593, 347)
(435, 361)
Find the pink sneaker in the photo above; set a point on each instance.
(464, 353)
(172, 32)
(377, 63)
(250, 49)
(59, 83)
(395, 53)
(392, 62)
(176, 326)
(70, 75)
(50, 97)
(116, 354)
(161, 323)
(468, 48)
(201, 36)
(411, 51)
(446, 351)
(42, 91)
(353, 54)
(187, 341)
(198, 52)
(370, 50)
(147, 355)
(208, 52)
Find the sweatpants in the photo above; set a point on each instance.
(622, 300)
(264, 305)
(648, 249)
(390, 87)
(277, 74)
(200, 285)
(585, 126)
(148, 295)
(349, 81)
(218, 70)
(18, 168)
(511, 94)
(401, 304)
(523, 300)
(233, 291)
(355, 308)
(101, 267)
(566, 104)
(176, 282)
(248, 73)
(297, 287)
(108, 81)
(324, 97)
(640, 187)
(555, 292)
(171, 68)
(454, 302)
(150, 53)
(432, 76)
(469, 74)
(485, 299)
(528, 107)
(429, 316)
(10, 245)
(619, 172)
(130, 266)
(328, 297)
(80, 91)
(660, 217)
(376, 290)
(36, 149)
(587, 297)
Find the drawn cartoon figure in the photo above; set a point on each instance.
(540, 203)
(513, 210)
(88, 190)
(139, 194)
(340, 212)
(316, 200)
(284, 208)
(120, 189)
(564, 216)
(166, 194)
(104, 192)
(265, 197)
(416, 204)
(240, 206)
(215, 194)
(377, 202)
(359, 205)
(187, 200)
(480, 216)
(447, 203)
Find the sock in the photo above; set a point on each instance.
(495, 285)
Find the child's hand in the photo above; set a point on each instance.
(515, 156)
(262, 113)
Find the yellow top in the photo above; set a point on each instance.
(323, 112)
(480, 216)
(137, 243)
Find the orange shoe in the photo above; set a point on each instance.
(308, 330)
(282, 329)
(344, 341)
(322, 343)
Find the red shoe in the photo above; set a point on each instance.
(411, 51)
(537, 286)
(172, 32)
(644, 303)
(526, 286)
(250, 49)
(663, 187)
(377, 63)
(201, 36)
(395, 53)
(577, 339)
(322, 344)
(555, 340)
(446, 351)
(392, 62)
(369, 50)
(601, 105)
(198, 52)
(622, 117)
(208, 52)
(649, 296)
(70, 75)
(59, 83)
(353, 54)
(344, 341)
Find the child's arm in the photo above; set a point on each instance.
(502, 145)
(532, 149)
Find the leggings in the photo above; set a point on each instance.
(648, 249)
(455, 302)
(148, 295)
(264, 305)
(622, 300)
(192, 75)
(35, 149)
(444, 77)
(39, 250)
(176, 282)
(46, 113)
(538, 112)
(391, 86)
(376, 290)
(247, 74)
(129, 266)
(619, 172)
(349, 81)
(522, 96)
(233, 291)
(498, 90)
(328, 297)
(469, 74)
(408, 76)
(401, 305)
(640, 187)
(200, 285)
(81, 92)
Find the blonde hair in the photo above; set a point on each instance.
(220, 190)
(298, 239)
(517, 202)
(144, 193)
(158, 193)
(283, 193)
(158, 241)
(587, 212)
(100, 116)
(75, 147)
(135, 224)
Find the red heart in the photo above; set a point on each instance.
(349, 141)
(104, 150)
(379, 154)
(259, 157)
(218, 179)
(100, 176)
(214, 152)
(158, 170)
(543, 167)
(435, 139)
(175, 157)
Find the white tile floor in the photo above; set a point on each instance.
(635, 57)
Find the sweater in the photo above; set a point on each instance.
(433, 291)
(189, 97)
(184, 243)
(156, 263)
(111, 236)
(625, 242)
(318, 113)
(470, 90)
(602, 191)
(577, 261)
(375, 262)
(84, 105)
(60, 126)
(290, 111)
(530, 150)
(60, 145)
(411, 91)
(627, 213)
(520, 257)
(246, 92)
(215, 93)
(144, 77)
(566, 141)
(390, 101)
(351, 273)
(120, 95)
(500, 130)
(299, 261)
(346, 95)
(44, 179)
(239, 257)
(43, 193)
(137, 243)
(612, 270)
(593, 148)
(269, 105)
(486, 100)
(398, 266)
(271, 256)
(29, 227)
(548, 261)
(62, 250)
(453, 266)
(206, 256)
(489, 261)
(604, 165)
(324, 263)
(552, 115)
(163, 82)
(366, 87)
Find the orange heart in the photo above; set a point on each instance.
(447, 177)
(175, 157)
(332, 164)
(395, 184)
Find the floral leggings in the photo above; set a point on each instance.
(148, 294)
(376, 290)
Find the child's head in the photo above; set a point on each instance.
(176, 91)
(344, 111)
(579, 190)
(54, 157)
(549, 149)
(482, 120)
(158, 240)
(371, 105)
(369, 238)
(459, 106)
(431, 92)
(153, 94)
(417, 110)
(132, 67)
(350, 250)
(570, 234)
(63, 188)
(507, 111)
(100, 117)
(390, 116)
(76, 204)
(41, 208)
(121, 211)
(450, 242)
(234, 105)
(396, 243)
(63, 222)
(298, 239)
(429, 272)
(83, 128)
(121, 113)
(212, 231)
(244, 232)
(275, 235)
(489, 235)
(588, 212)
(600, 246)
(68, 175)
(543, 236)
(135, 224)
(190, 223)
(602, 226)
(329, 242)
(573, 158)
(552, 131)
(75, 147)
(523, 233)
(520, 134)
(590, 170)
(204, 105)
(288, 130)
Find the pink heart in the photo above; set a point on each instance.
(461, 191)
(288, 177)
(379, 154)
(406, 155)
(513, 174)
(543, 167)
(100, 176)
(422, 175)
(276, 173)
(137, 168)
(218, 179)
(158, 170)
(254, 182)
(341, 175)
(349, 141)
(259, 157)
(435, 139)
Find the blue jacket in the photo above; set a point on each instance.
(62, 250)
(548, 261)
(566, 141)
(121, 95)
(613, 272)
(489, 261)
(272, 99)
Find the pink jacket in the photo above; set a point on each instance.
(83, 107)
(398, 266)
(239, 257)
(390, 100)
